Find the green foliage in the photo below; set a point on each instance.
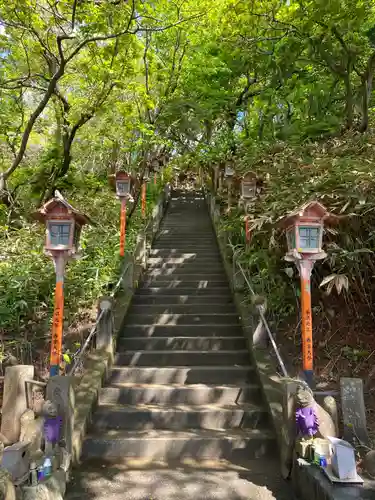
(27, 276)
(340, 174)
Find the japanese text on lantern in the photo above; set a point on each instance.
(308, 334)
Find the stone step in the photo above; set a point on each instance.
(211, 375)
(183, 309)
(183, 284)
(188, 267)
(195, 231)
(181, 273)
(182, 331)
(181, 319)
(181, 343)
(191, 394)
(179, 417)
(203, 261)
(185, 243)
(180, 222)
(182, 358)
(181, 299)
(158, 290)
(170, 239)
(171, 445)
(201, 278)
(208, 252)
(184, 479)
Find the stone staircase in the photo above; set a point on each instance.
(181, 415)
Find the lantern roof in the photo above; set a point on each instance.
(58, 204)
(250, 175)
(117, 176)
(122, 175)
(313, 211)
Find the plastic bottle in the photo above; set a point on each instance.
(33, 474)
(47, 467)
(40, 472)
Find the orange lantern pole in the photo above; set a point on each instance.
(122, 227)
(144, 199)
(63, 229)
(305, 269)
(58, 317)
(155, 178)
(304, 232)
(247, 229)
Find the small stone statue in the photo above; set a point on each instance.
(32, 432)
(307, 422)
(305, 399)
(319, 420)
(52, 425)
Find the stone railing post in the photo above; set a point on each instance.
(105, 328)
(238, 279)
(128, 272)
(140, 253)
(216, 214)
(212, 206)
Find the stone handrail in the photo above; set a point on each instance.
(263, 327)
(103, 327)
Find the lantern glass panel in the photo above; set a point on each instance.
(291, 238)
(59, 233)
(123, 187)
(309, 237)
(248, 189)
(229, 171)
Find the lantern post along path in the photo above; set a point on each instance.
(145, 179)
(229, 174)
(123, 182)
(304, 232)
(155, 169)
(63, 229)
(248, 194)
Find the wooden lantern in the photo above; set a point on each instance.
(63, 225)
(146, 174)
(123, 184)
(248, 186)
(304, 228)
(155, 165)
(229, 171)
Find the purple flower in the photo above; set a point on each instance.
(307, 421)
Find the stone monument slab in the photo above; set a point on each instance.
(14, 400)
(353, 411)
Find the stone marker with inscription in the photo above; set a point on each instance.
(353, 411)
(14, 400)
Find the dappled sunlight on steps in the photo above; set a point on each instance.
(181, 415)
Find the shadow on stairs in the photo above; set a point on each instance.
(181, 416)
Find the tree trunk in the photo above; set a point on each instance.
(365, 105)
(348, 102)
(367, 82)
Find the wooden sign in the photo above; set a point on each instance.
(353, 411)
